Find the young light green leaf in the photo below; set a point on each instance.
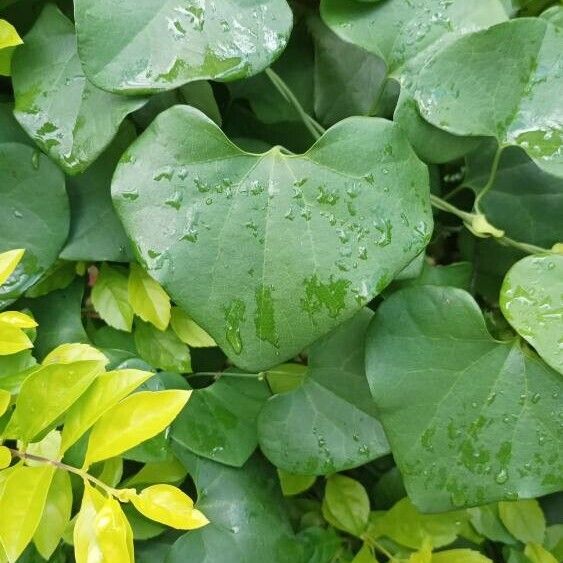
(13, 340)
(486, 520)
(148, 299)
(364, 215)
(531, 299)
(169, 505)
(9, 40)
(8, 263)
(162, 348)
(524, 519)
(536, 553)
(346, 504)
(516, 102)
(329, 422)
(71, 353)
(169, 471)
(5, 457)
(132, 421)
(188, 331)
(66, 115)
(110, 298)
(104, 393)
(292, 484)
(22, 499)
(56, 515)
(459, 556)
(196, 42)
(470, 420)
(5, 399)
(17, 319)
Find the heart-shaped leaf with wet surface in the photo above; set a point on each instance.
(268, 252)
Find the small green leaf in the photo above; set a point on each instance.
(536, 553)
(292, 484)
(110, 298)
(148, 299)
(524, 519)
(188, 331)
(459, 556)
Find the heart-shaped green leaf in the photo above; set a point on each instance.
(531, 299)
(470, 420)
(164, 44)
(329, 423)
(66, 115)
(269, 252)
(30, 218)
(465, 90)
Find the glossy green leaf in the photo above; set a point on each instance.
(329, 422)
(56, 515)
(524, 519)
(362, 217)
(104, 393)
(346, 504)
(458, 274)
(58, 276)
(470, 420)
(486, 520)
(148, 299)
(36, 220)
(516, 101)
(66, 115)
(132, 421)
(110, 298)
(531, 299)
(229, 41)
(219, 422)
(22, 499)
(253, 531)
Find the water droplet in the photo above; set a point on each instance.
(35, 159)
(501, 477)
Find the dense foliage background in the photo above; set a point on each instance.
(300, 264)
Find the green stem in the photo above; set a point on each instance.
(490, 181)
(443, 205)
(63, 466)
(315, 128)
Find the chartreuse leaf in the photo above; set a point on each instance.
(459, 556)
(328, 423)
(101, 531)
(229, 41)
(105, 392)
(17, 319)
(47, 393)
(536, 553)
(148, 299)
(5, 457)
(470, 420)
(5, 399)
(169, 471)
(110, 297)
(13, 339)
(8, 263)
(22, 499)
(56, 515)
(292, 484)
(9, 40)
(169, 505)
(36, 220)
(339, 222)
(66, 115)
(72, 352)
(517, 101)
(188, 331)
(346, 504)
(132, 421)
(220, 420)
(531, 299)
(524, 519)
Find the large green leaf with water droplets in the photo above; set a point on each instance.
(470, 420)
(268, 252)
(155, 45)
(503, 82)
(30, 218)
(329, 423)
(68, 117)
(531, 299)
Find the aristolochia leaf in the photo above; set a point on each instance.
(328, 423)
(229, 40)
(311, 238)
(470, 420)
(132, 421)
(531, 299)
(66, 115)
(517, 65)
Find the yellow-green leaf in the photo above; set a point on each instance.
(9, 40)
(70, 353)
(459, 556)
(9, 260)
(17, 319)
(524, 519)
(13, 340)
(148, 299)
(168, 471)
(169, 505)
(105, 392)
(188, 331)
(424, 554)
(48, 448)
(22, 499)
(538, 554)
(5, 458)
(5, 399)
(112, 471)
(132, 421)
(46, 394)
(56, 515)
(365, 555)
